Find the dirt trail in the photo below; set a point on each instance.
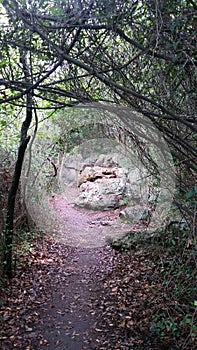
(84, 228)
(68, 318)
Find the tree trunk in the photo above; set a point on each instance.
(11, 207)
(24, 139)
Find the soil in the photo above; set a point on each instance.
(85, 228)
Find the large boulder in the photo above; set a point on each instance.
(105, 187)
(103, 182)
(101, 194)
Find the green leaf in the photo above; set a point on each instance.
(3, 63)
(191, 193)
(3, 122)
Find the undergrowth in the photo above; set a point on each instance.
(173, 282)
(23, 244)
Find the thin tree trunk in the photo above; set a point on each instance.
(24, 139)
(11, 207)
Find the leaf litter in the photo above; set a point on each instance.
(63, 297)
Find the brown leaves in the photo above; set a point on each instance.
(94, 297)
(23, 295)
(123, 314)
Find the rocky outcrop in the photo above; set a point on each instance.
(107, 187)
(101, 189)
(105, 183)
(75, 167)
(94, 173)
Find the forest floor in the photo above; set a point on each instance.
(80, 294)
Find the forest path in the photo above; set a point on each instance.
(71, 294)
(81, 227)
(68, 318)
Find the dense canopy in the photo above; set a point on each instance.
(139, 54)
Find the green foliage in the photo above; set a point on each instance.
(167, 30)
(9, 130)
(191, 193)
(164, 326)
(81, 134)
(45, 151)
